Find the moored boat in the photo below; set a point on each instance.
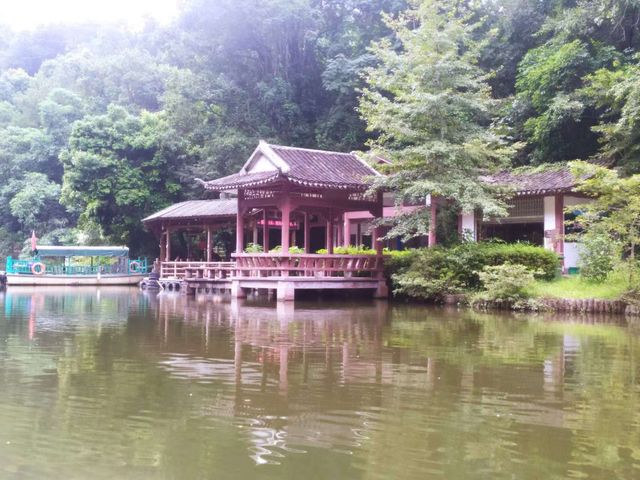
(69, 266)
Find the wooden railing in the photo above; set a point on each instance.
(210, 270)
(261, 265)
(308, 265)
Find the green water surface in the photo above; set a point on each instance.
(113, 383)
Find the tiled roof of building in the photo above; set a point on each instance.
(541, 180)
(301, 166)
(196, 209)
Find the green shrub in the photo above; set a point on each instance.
(440, 271)
(599, 256)
(505, 283)
(253, 248)
(293, 249)
(349, 250)
(427, 277)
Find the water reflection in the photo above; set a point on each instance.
(115, 383)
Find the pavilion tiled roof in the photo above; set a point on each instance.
(301, 166)
(194, 209)
(541, 180)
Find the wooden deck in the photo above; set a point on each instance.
(282, 273)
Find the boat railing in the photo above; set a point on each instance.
(130, 267)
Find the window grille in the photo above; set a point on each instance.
(526, 207)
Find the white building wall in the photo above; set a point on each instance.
(572, 250)
(469, 226)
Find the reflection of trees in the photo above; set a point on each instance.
(192, 386)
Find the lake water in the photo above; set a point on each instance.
(115, 383)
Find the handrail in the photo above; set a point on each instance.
(265, 265)
(308, 265)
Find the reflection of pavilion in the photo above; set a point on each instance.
(291, 371)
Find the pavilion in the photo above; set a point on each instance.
(289, 202)
(286, 203)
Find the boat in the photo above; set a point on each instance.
(76, 265)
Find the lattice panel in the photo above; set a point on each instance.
(526, 207)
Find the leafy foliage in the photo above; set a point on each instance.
(430, 106)
(434, 272)
(505, 283)
(448, 91)
(610, 222)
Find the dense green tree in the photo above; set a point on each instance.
(116, 173)
(549, 112)
(430, 105)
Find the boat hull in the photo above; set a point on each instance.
(72, 280)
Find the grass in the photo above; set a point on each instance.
(576, 287)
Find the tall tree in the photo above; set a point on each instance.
(430, 106)
(116, 172)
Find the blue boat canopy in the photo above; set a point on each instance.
(105, 251)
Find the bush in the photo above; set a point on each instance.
(505, 283)
(349, 250)
(439, 271)
(428, 276)
(293, 249)
(253, 248)
(599, 256)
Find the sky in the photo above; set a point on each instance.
(28, 14)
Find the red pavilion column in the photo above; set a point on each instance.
(265, 231)
(559, 211)
(307, 234)
(329, 240)
(240, 223)
(286, 220)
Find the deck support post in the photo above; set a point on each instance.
(286, 292)
(209, 246)
(382, 291)
(237, 291)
